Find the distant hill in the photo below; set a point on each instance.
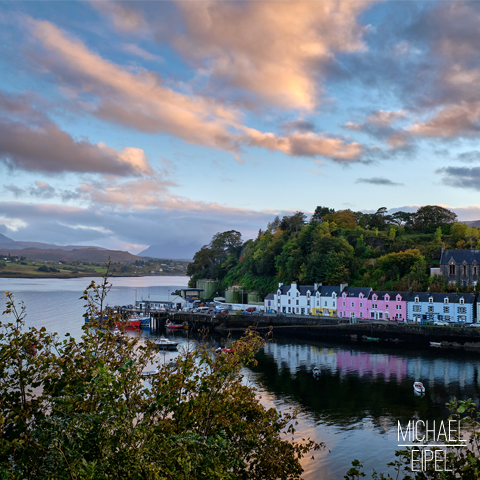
(4, 239)
(6, 242)
(473, 223)
(171, 250)
(88, 254)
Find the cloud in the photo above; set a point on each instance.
(384, 118)
(299, 126)
(257, 47)
(469, 157)
(379, 181)
(461, 177)
(140, 100)
(140, 52)
(29, 140)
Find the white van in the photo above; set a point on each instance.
(202, 309)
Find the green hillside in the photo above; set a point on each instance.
(382, 251)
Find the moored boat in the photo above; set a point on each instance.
(316, 372)
(418, 387)
(436, 344)
(166, 344)
(173, 326)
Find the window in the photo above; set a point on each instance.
(297, 309)
(343, 304)
(361, 314)
(446, 309)
(288, 293)
(374, 305)
(289, 301)
(386, 307)
(447, 318)
(386, 316)
(430, 300)
(333, 303)
(461, 310)
(374, 297)
(462, 301)
(325, 303)
(464, 269)
(399, 315)
(474, 270)
(416, 308)
(361, 305)
(417, 299)
(430, 308)
(372, 314)
(380, 315)
(452, 269)
(318, 303)
(445, 300)
(297, 304)
(353, 304)
(298, 294)
(387, 298)
(289, 310)
(308, 302)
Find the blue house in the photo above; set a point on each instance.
(454, 308)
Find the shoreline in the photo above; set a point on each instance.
(87, 274)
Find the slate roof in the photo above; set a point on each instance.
(284, 289)
(356, 291)
(460, 256)
(393, 295)
(326, 291)
(270, 296)
(440, 297)
(303, 289)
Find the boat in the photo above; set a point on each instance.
(144, 320)
(316, 372)
(223, 350)
(166, 344)
(149, 373)
(372, 339)
(128, 323)
(418, 387)
(173, 326)
(436, 344)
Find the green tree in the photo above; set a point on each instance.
(82, 410)
(428, 218)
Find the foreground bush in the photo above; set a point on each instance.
(80, 409)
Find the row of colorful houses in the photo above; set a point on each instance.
(364, 303)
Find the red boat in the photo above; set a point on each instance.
(129, 324)
(173, 326)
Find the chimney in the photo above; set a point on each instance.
(316, 286)
(343, 286)
(280, 285)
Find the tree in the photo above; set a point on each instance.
(428, 218)
(319, 213)
(93, 416)
(401, 218)
(294, 222)
(344, 219)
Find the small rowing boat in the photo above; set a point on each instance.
(418, 387)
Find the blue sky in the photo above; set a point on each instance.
(126, 124)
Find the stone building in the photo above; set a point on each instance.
(460, 266)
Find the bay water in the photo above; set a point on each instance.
(354, 405)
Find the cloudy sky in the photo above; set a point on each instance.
(125, 124)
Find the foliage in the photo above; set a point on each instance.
(380, 250)
(81, 410)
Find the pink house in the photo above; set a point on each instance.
(353, 302)
(388, 306)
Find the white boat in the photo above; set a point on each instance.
(436, 344)
(166, 344)
(316, 372)
(418, 387)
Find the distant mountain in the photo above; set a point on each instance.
(473, 223)
(85, 254)
(171, 250)
(6, 242)
(4, 239)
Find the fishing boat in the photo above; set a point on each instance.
(166, 344)
(128, 323)
(436, 344)
(149, 373)
(316, 372)
(144, 320)
(173, 326)
(418, 387)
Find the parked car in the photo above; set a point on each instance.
(440, 323)
(250, 309)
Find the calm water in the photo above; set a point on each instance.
(353, 407)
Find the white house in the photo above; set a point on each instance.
(293, 299)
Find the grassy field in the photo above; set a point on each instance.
(30, 269)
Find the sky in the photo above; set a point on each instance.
(130, 123)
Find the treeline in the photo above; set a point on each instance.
(379, 250)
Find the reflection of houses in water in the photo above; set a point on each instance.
(294, 357)
(444, 371)
(371, 364)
